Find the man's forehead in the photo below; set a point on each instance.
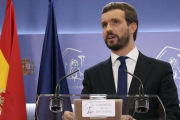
(112, 14)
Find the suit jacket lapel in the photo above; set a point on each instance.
(106, 77)
(142, 71)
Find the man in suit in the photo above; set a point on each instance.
(120, 24)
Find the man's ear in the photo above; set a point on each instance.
(132, 27)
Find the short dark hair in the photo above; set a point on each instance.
(130, 13)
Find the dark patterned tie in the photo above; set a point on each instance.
(122, 77)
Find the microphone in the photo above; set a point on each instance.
(56, 103)
(142, 101)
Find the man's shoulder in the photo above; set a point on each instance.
(99, 65)
(153, 60)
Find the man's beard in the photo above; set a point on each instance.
(120, 43)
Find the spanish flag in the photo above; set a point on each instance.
(12, 96)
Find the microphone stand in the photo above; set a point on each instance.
(142, 101)
(56, 103)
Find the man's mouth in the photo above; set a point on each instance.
(111, 37)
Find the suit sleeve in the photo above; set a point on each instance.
(168, 94)
(87, 89)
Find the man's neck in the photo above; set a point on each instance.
(124, 51)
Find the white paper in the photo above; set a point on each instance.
(93, 108)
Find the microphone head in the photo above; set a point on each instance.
(56, 104)
(142, 104)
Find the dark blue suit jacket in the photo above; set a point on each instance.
(156, 76)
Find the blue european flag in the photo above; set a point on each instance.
(52, 67)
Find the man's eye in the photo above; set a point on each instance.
(104, 25)
(116, 21)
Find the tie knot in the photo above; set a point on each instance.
(122, 59)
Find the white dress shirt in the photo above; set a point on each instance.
(130, 63)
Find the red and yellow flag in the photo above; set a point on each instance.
(12, 95)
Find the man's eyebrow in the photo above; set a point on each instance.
(102, 22)
(115, 19)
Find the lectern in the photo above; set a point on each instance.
(102, 107)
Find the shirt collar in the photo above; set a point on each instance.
(133, 54)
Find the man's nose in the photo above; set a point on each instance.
(109, 29)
